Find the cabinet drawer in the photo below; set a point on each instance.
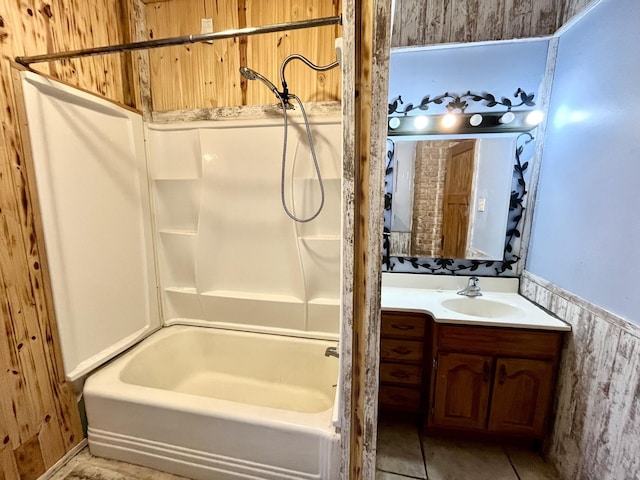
(402, 325)
(410, 351)
(501, 341)
(399, 397)
(400, 373)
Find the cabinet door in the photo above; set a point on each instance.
(461, 397)
(521, 396)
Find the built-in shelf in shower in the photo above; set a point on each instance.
(185, 290)
(320, 237)
(259, 296)
(178, 231)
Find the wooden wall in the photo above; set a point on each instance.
(423, 22)
(39, 419)
(596, 425)
(206, 75)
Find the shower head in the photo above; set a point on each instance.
(249, 74)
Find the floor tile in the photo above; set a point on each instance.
(462, 460)
(530, 465)
(399, 448)
(390, 476)
(85, 466)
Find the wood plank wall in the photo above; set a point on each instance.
(206, 75)
(39, 419)
(424, 22)
(596, 425)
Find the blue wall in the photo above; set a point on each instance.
(586, 231)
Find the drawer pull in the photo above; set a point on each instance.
(400, 374)
(401, 326)
(401, 350)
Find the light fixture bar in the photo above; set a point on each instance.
(462, 123)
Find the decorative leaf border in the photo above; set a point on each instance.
(461, 102)
(450, 266)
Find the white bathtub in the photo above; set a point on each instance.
(218, 404)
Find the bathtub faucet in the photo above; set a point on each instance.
(331, 352)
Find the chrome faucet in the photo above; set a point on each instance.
(331, 352)
(472, 289)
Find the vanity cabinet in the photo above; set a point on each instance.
(491, 379)
(402, 346)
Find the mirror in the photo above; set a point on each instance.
(450, 197)
(515, 166)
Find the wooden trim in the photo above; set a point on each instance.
(372, 27)
(64, 460)
(540, 134)
(348, 222)
(21, 68)
(246, 112)
(142, 60)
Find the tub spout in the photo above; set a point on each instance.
(331, 352)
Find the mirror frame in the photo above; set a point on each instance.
(453, 266)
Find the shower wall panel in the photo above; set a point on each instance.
(228, 253)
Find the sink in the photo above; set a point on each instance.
(480, 307)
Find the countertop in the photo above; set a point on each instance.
(426, 294)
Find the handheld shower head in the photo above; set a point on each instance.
(249, 74)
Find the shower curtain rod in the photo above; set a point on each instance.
(165, 42)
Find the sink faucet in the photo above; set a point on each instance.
(331, 352)
(472, 289)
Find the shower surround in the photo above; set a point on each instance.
(226, 248)
(150, 226)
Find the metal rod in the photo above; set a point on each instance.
(165, 42)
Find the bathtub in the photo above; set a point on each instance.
(218, 404)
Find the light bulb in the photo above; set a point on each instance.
(449, 120)
(420, 122)
(394, 123)
(475, 120)
(534, 118)
(507, 118)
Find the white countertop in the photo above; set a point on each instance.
(426, 294)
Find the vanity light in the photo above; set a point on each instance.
(475, 120)
(507, 118)
(449, 120)
(420, 122)
(394, 123)
(534, 118)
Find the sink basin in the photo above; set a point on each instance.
(480, 307)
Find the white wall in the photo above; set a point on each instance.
(229, 255)
(586, 231)
(402, 213)
(492, 181)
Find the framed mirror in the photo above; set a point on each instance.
(455, 204)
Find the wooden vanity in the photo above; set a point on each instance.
(487, 380)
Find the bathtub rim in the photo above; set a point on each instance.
(105, 383)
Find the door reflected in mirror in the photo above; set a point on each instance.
(451, 197)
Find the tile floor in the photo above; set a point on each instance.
(403, 455)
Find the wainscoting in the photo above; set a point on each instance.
(597, 420)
